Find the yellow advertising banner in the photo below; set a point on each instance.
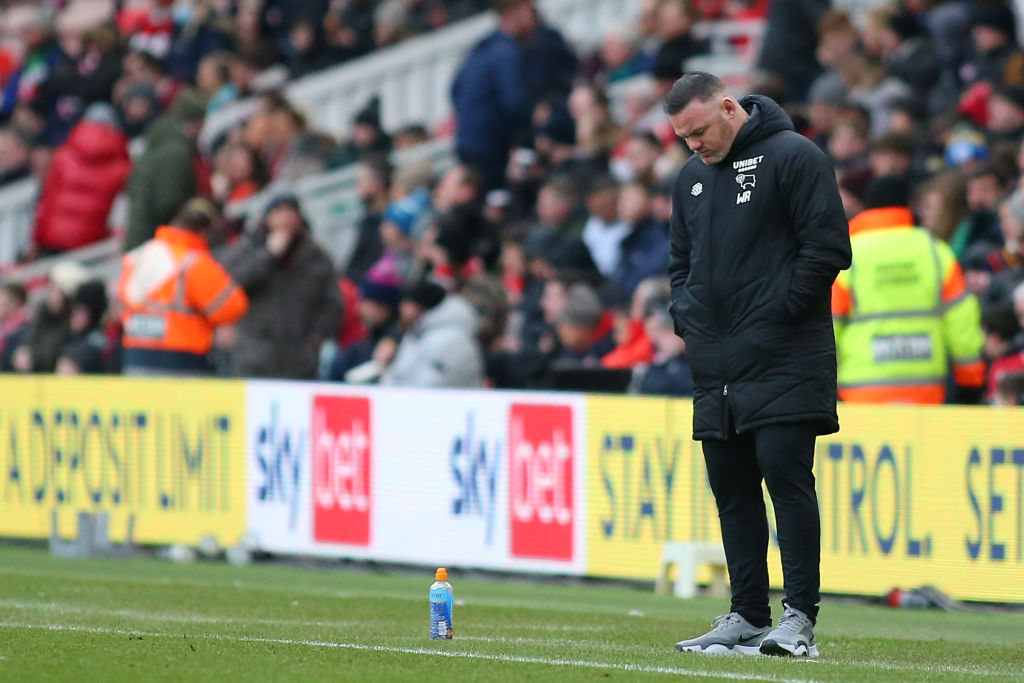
(908, 496)
(166, 453)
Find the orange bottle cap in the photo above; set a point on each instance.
(441, 574)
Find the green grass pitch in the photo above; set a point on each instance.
(146, 620)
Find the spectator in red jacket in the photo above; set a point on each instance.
(86, 174)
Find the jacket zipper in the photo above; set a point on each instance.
(718, 313)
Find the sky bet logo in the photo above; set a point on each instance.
(541, 481)
(475, 462)
(279, 454)
(342, 462)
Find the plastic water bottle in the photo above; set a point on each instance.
(441, 596)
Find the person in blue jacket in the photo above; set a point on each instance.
(501, 79)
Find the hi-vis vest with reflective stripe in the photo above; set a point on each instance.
(902, 313)
(174, 294)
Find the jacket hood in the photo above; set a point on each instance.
(766, 119)
(454, 311)
(97, 142)
(289, 200)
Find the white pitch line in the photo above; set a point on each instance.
(68, 608)
(517, 659)
(63, 608)
(307, 592)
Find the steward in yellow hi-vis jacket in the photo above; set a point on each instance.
(902, 313)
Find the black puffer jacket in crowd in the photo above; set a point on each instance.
(756, 242)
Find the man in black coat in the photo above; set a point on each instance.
(758, 235)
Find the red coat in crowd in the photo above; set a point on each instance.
(87, 173)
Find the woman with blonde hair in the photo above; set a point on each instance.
(942, 209)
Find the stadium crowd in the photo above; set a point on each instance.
(539, 258)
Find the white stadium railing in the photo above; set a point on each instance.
(330, 201)
(413, 80)
(17, 217)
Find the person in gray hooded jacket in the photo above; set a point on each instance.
(439, 347)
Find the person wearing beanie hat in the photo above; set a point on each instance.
(295, 304)
(399, 229)
(404, 213)
(367, 137)
(992, 34)
(369, 115)
(380, 289)
(439, 346)
(139, 107)
(425, 296)
(827, 99)
(84, 348)
(88, 306)
(966, 151)
(888, 298)
(380, 293)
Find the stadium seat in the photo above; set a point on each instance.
(687, 557)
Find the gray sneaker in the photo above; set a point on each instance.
(732, 634)
(793, 637)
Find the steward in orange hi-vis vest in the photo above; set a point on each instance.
(173, 295)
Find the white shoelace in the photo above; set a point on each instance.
(725, 620)
(793, 621)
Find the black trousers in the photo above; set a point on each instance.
(783, 456)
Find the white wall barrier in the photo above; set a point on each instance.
(489, 480)
(17, 217)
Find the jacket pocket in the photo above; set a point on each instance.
(682, 309)
(783, 304)
(677, 325)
